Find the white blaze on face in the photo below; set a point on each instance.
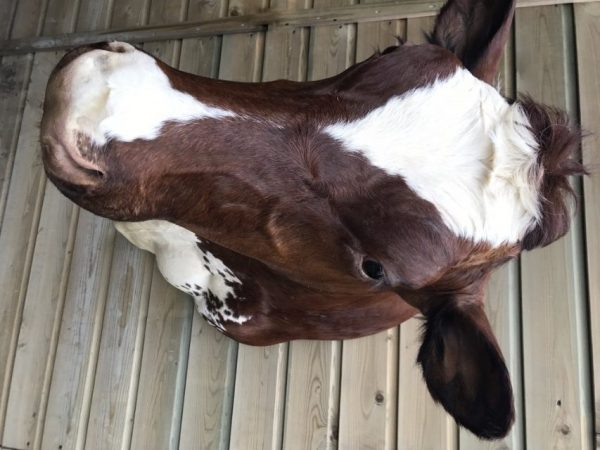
(187, 267)
(461, 146)
(125, 95)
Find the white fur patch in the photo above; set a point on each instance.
(187, 267)
(462, 147)
(126, 96)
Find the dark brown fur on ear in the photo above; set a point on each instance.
(559, 142)
(475, 31)
(464, 369)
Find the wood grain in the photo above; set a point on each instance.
(29, 19)
(34, 288)
(368, 398)
(119, 353)
(556, 384)
(19, 229)
(259, 397)
(587, 25)
(81, 327)
(9, 8)
(15, 73)
(209, 387)
(159, 400)
(248, 23)
(14, 78)
(286, 49)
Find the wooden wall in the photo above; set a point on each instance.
(98, 352)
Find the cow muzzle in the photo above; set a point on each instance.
(73, 145)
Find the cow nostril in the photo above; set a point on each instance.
(68, 165)
(372, 269)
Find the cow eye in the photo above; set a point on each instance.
(372, 269)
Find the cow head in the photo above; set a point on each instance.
(407, 178)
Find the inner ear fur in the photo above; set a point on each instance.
(476, 31)
(464, 369)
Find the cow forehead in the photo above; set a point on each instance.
(462, 147)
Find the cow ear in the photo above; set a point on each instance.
(476, 31)
(464, 369)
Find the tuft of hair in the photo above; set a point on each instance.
(558, 142)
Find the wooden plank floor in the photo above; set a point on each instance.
(97, 351)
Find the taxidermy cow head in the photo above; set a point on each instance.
(328, 209)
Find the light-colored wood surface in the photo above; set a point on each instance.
(557, 386)
(9, 8)
(587, 20)
(15, 73)
(105, 354)
(34, 315)
(368, 392)
(248, 23)
(19, 228)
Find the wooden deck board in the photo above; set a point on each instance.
(9, 8)
(587, 25)
(37, 287)
(19, 229)
(552, 278)
(15, 76)
(82, 320)
(119, 359)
